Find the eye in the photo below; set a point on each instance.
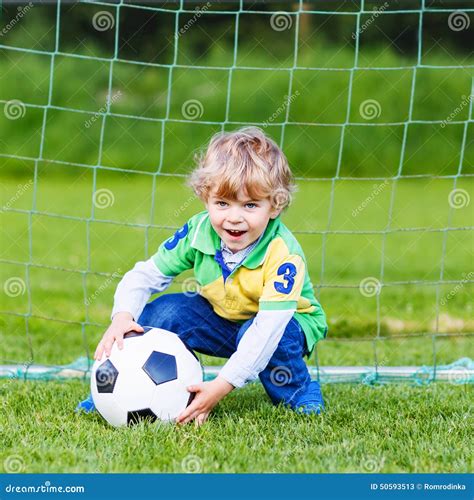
(251, 205)
(221, 203)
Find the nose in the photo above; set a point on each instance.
(235, 216)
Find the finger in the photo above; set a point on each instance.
(191, 417)
(200, 419)
(98, 352)
(194, 388)
(197, 421)
(188, 411)
(119, 340)
(108, 347)
(192, 408)
(136, 327)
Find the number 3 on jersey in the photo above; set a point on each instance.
(288, 272)
(179, 235)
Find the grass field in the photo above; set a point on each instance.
(389, 429)
(68, 254)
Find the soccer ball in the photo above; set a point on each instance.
(147, 379)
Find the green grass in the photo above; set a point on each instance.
(386, 429)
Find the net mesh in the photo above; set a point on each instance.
(374, 358)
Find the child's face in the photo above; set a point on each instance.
(246, 217)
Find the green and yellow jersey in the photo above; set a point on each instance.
(273, 276)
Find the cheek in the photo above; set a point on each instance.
(216, 218)
(259, 221)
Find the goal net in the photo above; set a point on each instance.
(105, 103)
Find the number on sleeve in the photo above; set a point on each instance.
(179, 235)
(288, 272)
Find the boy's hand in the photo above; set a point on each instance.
(208, 394)
(122, 323)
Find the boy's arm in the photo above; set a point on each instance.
(256, 347)
(130, 298)
(137, 286)
(152, 276)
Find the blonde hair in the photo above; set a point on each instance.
(247, 159)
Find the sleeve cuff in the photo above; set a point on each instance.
(235, 375)
(118, 308)
(277, 306)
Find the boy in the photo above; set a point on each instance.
(256, 304)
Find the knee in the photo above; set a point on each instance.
(292, 344)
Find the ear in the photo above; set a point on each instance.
(275, 212)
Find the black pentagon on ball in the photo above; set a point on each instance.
(133, 333)
(191, 398)
(161, 367)
(133, 417)
(106, 376)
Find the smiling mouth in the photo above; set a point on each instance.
(235, 234)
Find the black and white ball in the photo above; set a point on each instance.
(147, 379)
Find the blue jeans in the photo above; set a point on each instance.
(286, 378)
